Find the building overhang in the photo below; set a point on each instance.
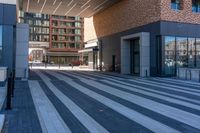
(83, 8)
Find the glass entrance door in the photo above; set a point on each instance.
(135, 56)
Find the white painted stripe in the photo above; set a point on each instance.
(3, 93)
(50, 120)
(145, 88)
(145, 121)
(168, 111)
(166, 86)
(103, 75)
(177, 86)
(180, 82)
(73, 73)
(83, 117)
(172, 100)
(2, 121)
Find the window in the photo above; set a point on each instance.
(77, 24)
(77, 31)
(181, 52)
(195, 5)
(78, 45)
(169, 62)
(71, 45)
(176, 4)
(198, 52)
(191, 52)
(1, 42)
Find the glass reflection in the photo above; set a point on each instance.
(181, 52)
(191, 52)
(198, 52)
(169, 55)
(1, 43)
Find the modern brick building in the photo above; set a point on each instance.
(148, 37)
(139, 37)
(53, 38)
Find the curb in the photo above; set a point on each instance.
(2, 121)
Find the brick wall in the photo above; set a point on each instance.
(129, 14)
(125, 15)
(185, 15)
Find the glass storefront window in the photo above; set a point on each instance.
(191, 52)
(1, 42)
(169, 64)
(181, 52)
(198, 52)
(195, 5)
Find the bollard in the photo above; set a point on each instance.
(9, 91)
(146, 73)
(25, 71)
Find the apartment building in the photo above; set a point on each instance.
(147, 37)
(53, 38)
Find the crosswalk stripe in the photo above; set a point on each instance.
(83, 117)
(50, 120)
(145, 88)
(147, 122)
(171, 112)
(166, 86)
(177, 82)
(94, 74)
(3, 93)
(172, 100)
(152, 90)
(81, 75)
(174, 113)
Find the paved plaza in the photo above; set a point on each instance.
(99, 102)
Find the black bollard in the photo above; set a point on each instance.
(9, 93)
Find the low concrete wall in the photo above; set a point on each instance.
(3, 75)
(188, 74)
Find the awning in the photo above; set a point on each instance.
(85, 50)
(70, 54)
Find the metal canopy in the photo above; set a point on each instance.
(83, 8)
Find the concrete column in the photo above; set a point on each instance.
(144, 53)
(22, 44)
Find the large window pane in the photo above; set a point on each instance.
(169, 55)
(176, 4)
(195, 5)
(198, 52)
(181, 52)
(1, 42)
(191, 52)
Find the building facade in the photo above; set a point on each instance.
(7, 34)
(148, 37)
(53, 39)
